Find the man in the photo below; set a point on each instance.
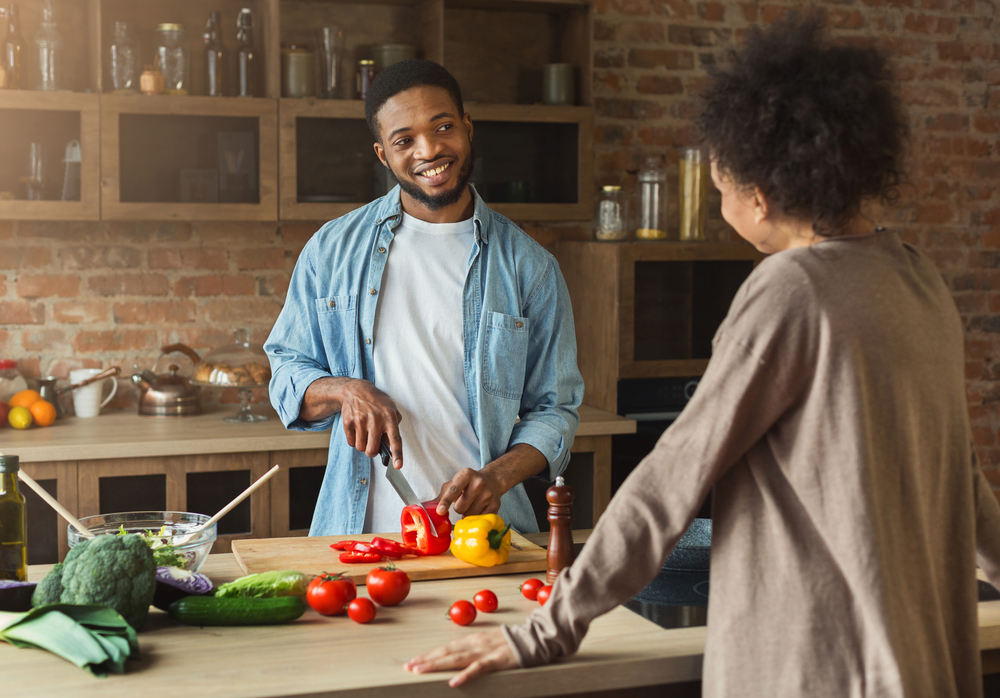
(429, 318)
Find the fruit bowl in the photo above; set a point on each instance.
(165, 531)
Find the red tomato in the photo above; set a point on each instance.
(361, 610)
(543, 594)
(462, 612)
(530, 588)
(486, 601)
(387, 586)
(329, 594)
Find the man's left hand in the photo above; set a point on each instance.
(477, 654)
(471, 492)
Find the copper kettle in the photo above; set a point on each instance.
(167, 394)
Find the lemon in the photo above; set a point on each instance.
(19, 417)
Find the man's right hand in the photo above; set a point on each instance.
(367, 413)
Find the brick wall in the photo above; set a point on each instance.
(93, 293)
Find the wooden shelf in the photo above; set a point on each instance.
(602, 281)
(88, 134)
(263, 110)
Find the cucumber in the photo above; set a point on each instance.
(209, 610)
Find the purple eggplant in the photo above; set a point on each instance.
(16, 596)
(173, 583)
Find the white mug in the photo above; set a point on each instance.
(87, 400)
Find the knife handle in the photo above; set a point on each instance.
(385, 452)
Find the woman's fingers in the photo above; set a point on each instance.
(477, 654)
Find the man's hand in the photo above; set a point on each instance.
(367, 413)
(472, 492)
(477, 654)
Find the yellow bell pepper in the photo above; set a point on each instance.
(482, 540)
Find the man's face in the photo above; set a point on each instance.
(427, 145)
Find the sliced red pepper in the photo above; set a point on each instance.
(360, 547)
(343, 545)
(418, 533)
(392, 548)
(352, 557)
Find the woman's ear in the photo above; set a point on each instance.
(761, 208)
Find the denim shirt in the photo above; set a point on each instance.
(521, 375)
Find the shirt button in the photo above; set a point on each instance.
(368, 340)
(363, 481)
(372, 291)
(519, 324)
(382, 250)
(378, 220)
(333, 304)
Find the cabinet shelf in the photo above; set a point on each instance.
(685, 288)
(53, 118)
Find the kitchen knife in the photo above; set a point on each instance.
(399, 483)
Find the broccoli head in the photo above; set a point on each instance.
(49, 590)
(109, 571)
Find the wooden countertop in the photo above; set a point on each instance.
(124, 434)
(317, 656)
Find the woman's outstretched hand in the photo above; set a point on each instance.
(477, 654)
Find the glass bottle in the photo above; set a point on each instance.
(13, 524)
(366, 73)
(652, 210)
(126, 58)
(215, 57)
(692, 175)
(246, 56)
(173, 59)
(13, 50)
(48, 53)
(611, 214)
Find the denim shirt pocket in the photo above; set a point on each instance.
(337, 317)
(505, 355)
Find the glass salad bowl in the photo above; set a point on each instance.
(168, 534)
(239, 365)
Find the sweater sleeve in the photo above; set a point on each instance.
(744, 391)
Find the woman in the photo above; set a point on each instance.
(831, 420)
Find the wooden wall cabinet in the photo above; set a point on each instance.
(152, 146)
(648, 310)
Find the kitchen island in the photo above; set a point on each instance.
(120, 461)
(319, 656)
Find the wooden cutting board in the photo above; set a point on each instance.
(313, 556)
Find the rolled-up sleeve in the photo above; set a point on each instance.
(295, 347)
(553, 387)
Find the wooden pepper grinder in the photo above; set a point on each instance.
(560, 515)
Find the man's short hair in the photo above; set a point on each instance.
(403, 76)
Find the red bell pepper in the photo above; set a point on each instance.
(418, 532)
(343, 545)
(360, 557)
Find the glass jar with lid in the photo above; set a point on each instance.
(239, 365)
(172, 58)
(126, 60)
(611, 214)
(11, 380)
(652, 200)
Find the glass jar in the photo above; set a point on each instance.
(173, 58)
(652, 205)
(298, 71)
(48, 53)
(126, 59)
(11, 380)
(611, 214)
(366, 73)
(692, 171)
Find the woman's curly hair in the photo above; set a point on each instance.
(817, 127)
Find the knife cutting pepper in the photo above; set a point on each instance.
(418, 529)
(482, 540)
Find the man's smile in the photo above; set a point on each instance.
(434, 174)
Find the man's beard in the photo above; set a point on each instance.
(444, 199)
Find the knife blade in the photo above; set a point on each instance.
(399, 483)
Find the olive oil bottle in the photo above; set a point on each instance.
(13, 523)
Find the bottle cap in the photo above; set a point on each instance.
(9, 464)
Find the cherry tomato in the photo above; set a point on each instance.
(530, 588)
(361, 610)
(329, 594)
(486, 601)
(387, 586)
(462, 612)
(543, 594)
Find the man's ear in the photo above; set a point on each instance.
(467, 120)
(380, 152)
(761, 207)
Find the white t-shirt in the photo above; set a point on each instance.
(419, 362)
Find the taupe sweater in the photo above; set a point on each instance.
(848, 503)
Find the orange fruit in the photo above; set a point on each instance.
(19, 417)
(43, 412)
(24, 398)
